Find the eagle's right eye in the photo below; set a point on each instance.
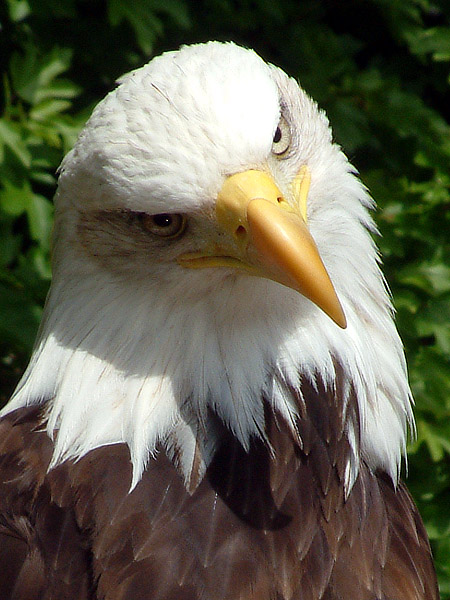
(165, 225)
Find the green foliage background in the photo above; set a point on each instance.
(380, 68)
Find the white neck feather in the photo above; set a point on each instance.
(116, 370)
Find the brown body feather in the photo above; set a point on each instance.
(272, 523)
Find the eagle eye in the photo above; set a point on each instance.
(281, 138)
(165, 225)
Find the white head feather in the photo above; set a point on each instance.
(133, 346)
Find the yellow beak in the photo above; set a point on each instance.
(267, 237)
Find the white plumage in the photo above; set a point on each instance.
(157, 343)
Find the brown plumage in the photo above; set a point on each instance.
(262, 525)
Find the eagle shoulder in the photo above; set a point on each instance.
(271, 522)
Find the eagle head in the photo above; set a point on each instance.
(213, 253)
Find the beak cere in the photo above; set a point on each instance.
(267, 237)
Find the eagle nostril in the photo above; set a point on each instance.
(240, 232)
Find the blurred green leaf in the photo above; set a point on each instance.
(15, 199)
(19, 317)
(430, 277)
(11, 136)
(48, 109)
(434, 320)
(34, 75)
(18, 9)
(434, 41)
(437, 440)
(40, 212)
(141, 15)
(430, 381)
(9, 243)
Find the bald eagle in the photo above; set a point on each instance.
(217, 402)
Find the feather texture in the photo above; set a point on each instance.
(260, 525)
(159, 345)
(204, 434)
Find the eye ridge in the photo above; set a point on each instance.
(165, 225)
